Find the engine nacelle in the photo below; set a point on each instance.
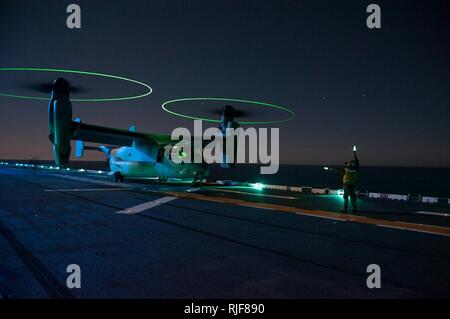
(59, 121)
(226, 161)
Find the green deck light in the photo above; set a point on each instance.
(291, 113)
(258, 186)
(104, 75)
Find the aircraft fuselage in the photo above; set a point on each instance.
(152, 161)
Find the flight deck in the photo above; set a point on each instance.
(144, 239)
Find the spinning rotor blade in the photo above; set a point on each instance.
(236, 113)
(44, 87)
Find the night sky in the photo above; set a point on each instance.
(387, 90)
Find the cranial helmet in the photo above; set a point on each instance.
(351, 164)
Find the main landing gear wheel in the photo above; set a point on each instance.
(162, 179)
(118, 177)
(196, 183)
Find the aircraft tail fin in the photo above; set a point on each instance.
(79, 148)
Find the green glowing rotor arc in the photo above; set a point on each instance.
(104, 75)
(263, 104)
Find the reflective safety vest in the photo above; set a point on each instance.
(350, 176)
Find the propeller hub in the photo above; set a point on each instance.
(228, 113)
(60, 85)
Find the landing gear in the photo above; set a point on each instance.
(196, 182)
(118, 177)
(162, 179)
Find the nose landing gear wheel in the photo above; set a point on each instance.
(118, 177)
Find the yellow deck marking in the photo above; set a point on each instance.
(422, 228)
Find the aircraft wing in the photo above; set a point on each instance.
(113, 136)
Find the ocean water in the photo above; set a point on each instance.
(395, 180)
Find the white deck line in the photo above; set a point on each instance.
(145, 206)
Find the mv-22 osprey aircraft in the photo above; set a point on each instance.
(130, 154)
